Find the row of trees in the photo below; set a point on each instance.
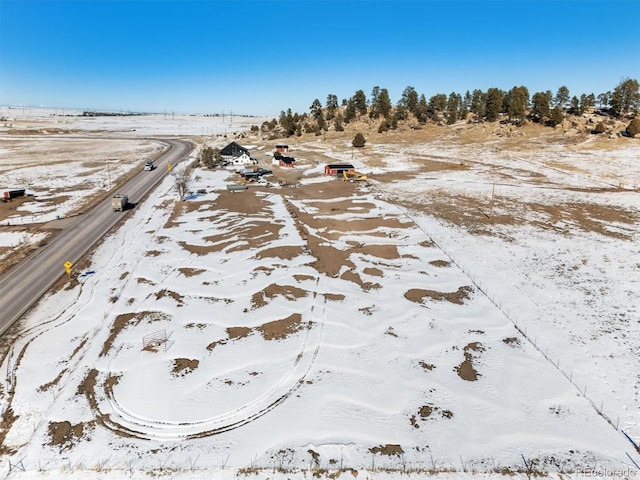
(516, 104)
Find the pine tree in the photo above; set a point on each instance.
(625, 98)
(350, 111)
(322, 123)
(316, 108)
(478, 103)
(452, 109)
(374, 112)
(493, 104)
(438, 102)
(517, 100)
(603, 99)
(422, 109)
(540, 107)
(562, 96)
(287, 123)
(574, 109)
(384, 103)
(332, 106)
(556, 116)
(360, 102)
(409, 99)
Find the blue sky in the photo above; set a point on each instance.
(261, 57)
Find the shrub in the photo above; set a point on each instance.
(599, 128)
(634, 127)
(358, 140)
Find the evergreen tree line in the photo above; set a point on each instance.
(517, 105)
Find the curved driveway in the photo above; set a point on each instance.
(23, 285)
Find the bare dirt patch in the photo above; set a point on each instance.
(386, 251)
(290, 292)
(169, 293)
(249, 202)
(238, 332)
(285, 252)
(512, 341)
(6, 422)
(374, 272)
(389, 449)
(87, 388)
(466, 370)
(303, 277)
(458, 297)
(354, 277)
(12, 208)
(206, 249)
(183, 366)
(427, 366)
(329, 260)
(276, 330)
(119, 324)
(191, 272)
(65, 435)
(55, 381)
(281, 329)
(254, 235)
(233, 333)
(334, 297)
(440, 263)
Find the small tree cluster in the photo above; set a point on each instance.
(210, 156)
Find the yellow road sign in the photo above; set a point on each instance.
(68, 265)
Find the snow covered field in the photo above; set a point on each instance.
(467, 311)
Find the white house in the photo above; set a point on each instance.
(243, 159)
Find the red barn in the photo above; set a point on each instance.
(338, 168)
(287, 162)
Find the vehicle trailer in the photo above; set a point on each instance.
(11, 194)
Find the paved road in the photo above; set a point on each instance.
(23, 285)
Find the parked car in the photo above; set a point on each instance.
(262, 171)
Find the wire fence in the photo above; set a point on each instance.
(310, 463)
